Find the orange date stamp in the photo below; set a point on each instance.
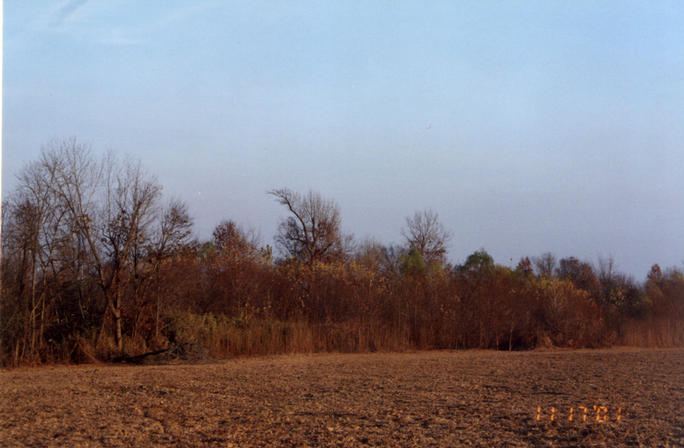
(584, 414)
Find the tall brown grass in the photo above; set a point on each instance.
(652, 332)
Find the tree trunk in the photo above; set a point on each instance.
(116, 312)
(33, 303)
(117, 324)
(156, 313)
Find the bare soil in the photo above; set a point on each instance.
(466, 398)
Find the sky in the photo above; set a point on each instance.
(528, 126)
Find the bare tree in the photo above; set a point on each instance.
(175, 229)
(427, 235)
(41, 225)
(312, 232)
(130, 210)
(545, 265)
(22, 234)
(111, 210)
(173, 235)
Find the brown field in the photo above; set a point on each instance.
(468, 398)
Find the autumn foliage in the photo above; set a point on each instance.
(96, 265)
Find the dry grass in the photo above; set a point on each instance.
(470, 398)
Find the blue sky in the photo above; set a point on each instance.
(528, 126)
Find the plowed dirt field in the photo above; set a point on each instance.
(617, 397)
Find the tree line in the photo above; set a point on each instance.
(96, 264)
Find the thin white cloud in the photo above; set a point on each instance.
(180, 14)
(65, 11)
(134, 35)
(88, 21)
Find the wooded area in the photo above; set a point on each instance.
(96, 265)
